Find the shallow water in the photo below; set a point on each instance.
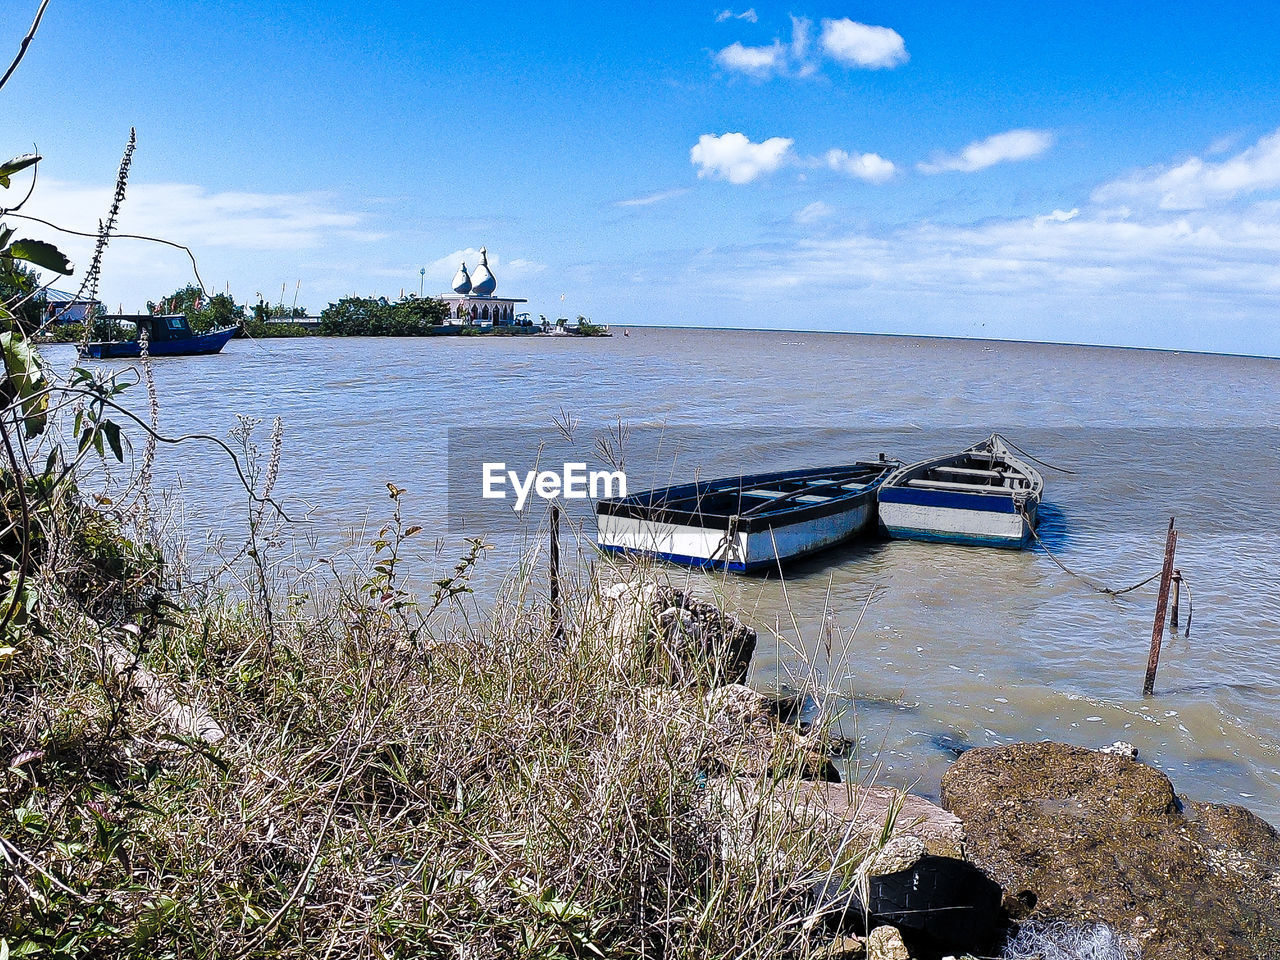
(956, 645)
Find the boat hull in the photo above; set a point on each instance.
(745, 524)
(983, 496)
(965, 519)
(205, 343)
(713, 549)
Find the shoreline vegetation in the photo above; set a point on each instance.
(409, 316)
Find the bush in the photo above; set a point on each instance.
(370, 317)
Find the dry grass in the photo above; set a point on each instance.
(393, 781)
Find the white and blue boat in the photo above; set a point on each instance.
(745, 524)
(982, 496)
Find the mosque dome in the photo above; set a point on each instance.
(462, 280)
(483, 284)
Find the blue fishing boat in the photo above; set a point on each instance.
(982, 496)
(169, 335)
(745, 524)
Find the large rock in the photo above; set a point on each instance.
(849, 822)
(745, 738)
(1081, 835)
(667, 636)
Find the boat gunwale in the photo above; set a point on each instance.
(898, 479)
(630, 508)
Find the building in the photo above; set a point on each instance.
(63, 307)
(472, 300)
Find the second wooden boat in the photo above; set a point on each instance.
(744, 524)
(982, 496)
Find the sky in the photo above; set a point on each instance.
(1089, 173)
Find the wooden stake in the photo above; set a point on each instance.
(1157, 630)
(1177, 591)
(557, 617)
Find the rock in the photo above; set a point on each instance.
(1122, 748)
(745, 740)
(1086, 836)
(864, 811)
(668, 636)
(848, 819)
(901, 853)
(738, 706)
(841, 948)
(885, 943)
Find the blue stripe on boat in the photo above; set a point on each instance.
(985, 503)
(701, 563)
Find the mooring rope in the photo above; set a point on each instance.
(1100, 587)
(1004, 439)
(1191, 607)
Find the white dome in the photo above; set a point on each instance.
(483, 283)
(462, 280)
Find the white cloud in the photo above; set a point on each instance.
(254, 239)
(1058, 216)
(197, 217)
(735, 158)
(800, 40)
(1001, 148)
(755, 61)
(1196, 183)
(870, 167)
(813, 212)
(443, 269)
(652, 198)
(859, 45)
(748, 15)
(845, 41)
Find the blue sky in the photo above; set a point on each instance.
(1078, 172)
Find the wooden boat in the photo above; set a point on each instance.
(982, 496)
(744, 524)
(169, 335)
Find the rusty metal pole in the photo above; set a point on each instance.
(1177, 592)
(1157, 630)
(557, 616)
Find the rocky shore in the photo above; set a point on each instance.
(1033, 843)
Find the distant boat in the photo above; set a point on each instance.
(982, 496)
(744, 524)
(168, 335)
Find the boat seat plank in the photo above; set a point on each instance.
(954, 485)
(813, 498)
(771, 494)
(975, 472)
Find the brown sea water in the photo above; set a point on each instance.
(953, 645)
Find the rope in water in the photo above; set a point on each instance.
(1100, 587)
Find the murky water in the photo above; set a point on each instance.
(955, 645)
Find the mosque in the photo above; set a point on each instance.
(472, 300)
